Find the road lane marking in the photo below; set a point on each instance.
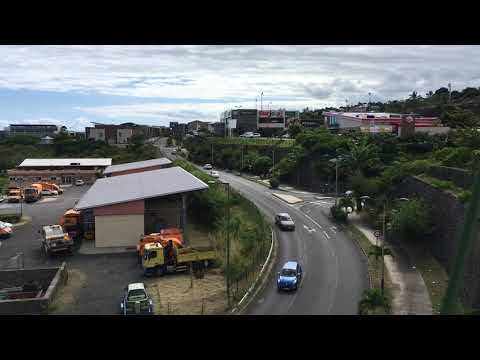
(309, 229)
(328, 237)
(332, 229)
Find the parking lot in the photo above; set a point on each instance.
(95, 281)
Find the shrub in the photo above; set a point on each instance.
(465, 196)
(261, 165)
(338, 214)
(372, 300)
(274, 183)
(412, 220)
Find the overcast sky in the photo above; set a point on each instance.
(74, 85)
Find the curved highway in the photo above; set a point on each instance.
(335, 270)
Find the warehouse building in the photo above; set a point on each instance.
(121, 209)
(58, 171)
(138, 166)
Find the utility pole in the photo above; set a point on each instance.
(261, 101)
(382, 284)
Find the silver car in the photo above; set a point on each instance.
(284, 221)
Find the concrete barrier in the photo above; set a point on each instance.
(49, 278)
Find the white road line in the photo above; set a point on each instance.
(333, 230)
(328, 237)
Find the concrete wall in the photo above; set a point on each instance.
(118, 230)
(448, 214)
(164, 210)
(49, 278)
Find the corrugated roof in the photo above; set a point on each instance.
(137, 165)
(67, 162)
(139, 186)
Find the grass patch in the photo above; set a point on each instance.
(374, 267)
(283, 143)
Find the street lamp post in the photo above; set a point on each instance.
(228, 236)
(335, 160)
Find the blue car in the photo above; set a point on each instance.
(290, 276)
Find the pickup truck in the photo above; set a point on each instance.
(54, 239)
(136, 300)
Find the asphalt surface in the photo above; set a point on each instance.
(335, 270)
(95, 282)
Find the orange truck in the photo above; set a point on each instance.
(70, 222)
(48, 186)
(162, 237)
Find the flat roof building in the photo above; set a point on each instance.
(38, 130)
(57, 171)
(123, 208)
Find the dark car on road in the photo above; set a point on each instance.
(290, 276)
(284, 221)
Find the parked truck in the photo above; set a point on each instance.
(163, 236)
(32, 194)
(54, 239)
(160, 260)
(14, 194)
(70, 221)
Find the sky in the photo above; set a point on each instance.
(77, 85)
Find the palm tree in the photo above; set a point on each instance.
(360, 155)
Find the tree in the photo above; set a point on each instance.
(294, 130)
(412, 220)
(274, 183)
(414, 95)
(169, 142)
(261, 165)
(372, 300)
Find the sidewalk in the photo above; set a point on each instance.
(410, 294)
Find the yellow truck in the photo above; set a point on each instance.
(160, 260)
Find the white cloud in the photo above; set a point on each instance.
(302, 75)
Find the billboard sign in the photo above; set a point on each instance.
(271, 118)
(377, 129)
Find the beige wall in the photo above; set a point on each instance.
(118, 230)
(97, 134)
(124, 135)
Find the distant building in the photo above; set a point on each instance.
(239, 121)
(179, 130)
(39, 130)
(120, 134)
(197, 125)
(217, 128)
(382, 122)
(136, 167)
(58, 171)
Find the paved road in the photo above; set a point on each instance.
(335, 271)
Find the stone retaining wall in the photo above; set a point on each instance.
(448, 214)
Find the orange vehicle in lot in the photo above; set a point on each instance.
(162, 237)
(47, 186)
(70, 222)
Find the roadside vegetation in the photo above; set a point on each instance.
(248, 230)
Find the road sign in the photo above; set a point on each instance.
(377, 233)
